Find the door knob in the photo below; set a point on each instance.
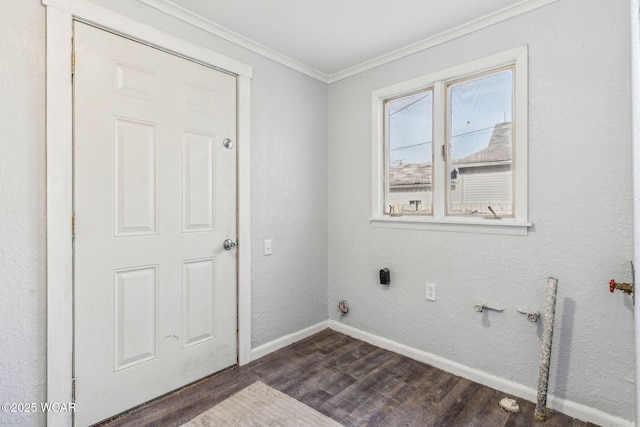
(229, 244)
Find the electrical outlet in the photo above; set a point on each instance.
(430, 292)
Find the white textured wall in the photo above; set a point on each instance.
(22, 208)
(288, 185)
(635, 114)
(579, 200)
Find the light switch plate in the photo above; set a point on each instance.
(430, 293)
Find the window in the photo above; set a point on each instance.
(450, 148)
(479, 145)
(408, 153)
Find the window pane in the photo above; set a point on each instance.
(408, 186)
(479, 132)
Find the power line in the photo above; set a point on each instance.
(410, 146)
(474, 131)
(409, 105)
(431, 142)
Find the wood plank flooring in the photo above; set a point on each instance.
(353, 382)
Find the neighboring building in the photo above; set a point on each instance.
(479, 180)
(410, 186)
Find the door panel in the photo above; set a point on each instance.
(154, 198)
(136, 177)
(135, 316)
(198, 181)
(199, 301)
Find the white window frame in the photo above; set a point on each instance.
(516, 225)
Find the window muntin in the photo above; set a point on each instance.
(409, 154)
(480, 145)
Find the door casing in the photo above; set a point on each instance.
(59, 115)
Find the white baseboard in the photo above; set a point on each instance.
(281, 342)
(567, 407)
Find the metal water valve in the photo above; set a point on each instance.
(627, 288)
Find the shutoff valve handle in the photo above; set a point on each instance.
(627, 288)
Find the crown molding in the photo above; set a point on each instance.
(211, 27)
(454, 33)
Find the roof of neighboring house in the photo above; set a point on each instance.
(498, 150)
(410, 174)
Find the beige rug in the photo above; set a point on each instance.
(261, 405)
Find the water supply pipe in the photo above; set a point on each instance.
(547, 335)
(484, 306)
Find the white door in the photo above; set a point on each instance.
(154, 199)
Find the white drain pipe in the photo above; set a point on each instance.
(547, 335)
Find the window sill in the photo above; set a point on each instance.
(456, 224)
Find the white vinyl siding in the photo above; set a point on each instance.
(476, 189)
(403, 196)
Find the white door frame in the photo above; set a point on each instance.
(59, 115)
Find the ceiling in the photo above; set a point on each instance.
(330, 38)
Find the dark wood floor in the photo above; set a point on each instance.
(356, 384)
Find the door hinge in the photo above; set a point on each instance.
(73, 389)
(444, 152)
(73, 63)
(73, 226)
